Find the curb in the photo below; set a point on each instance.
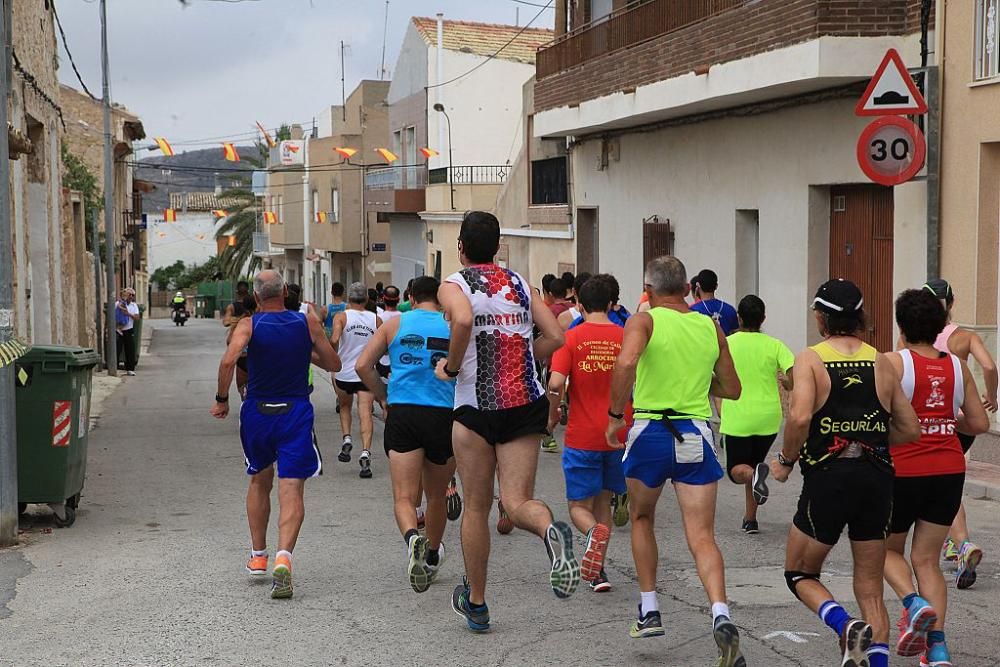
(982, 490)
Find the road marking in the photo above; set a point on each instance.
(794, 637)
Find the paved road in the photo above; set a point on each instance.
(152, 572)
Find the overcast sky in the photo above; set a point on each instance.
(214, 67)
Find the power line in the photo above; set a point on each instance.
(69, 53)
(497, 52)
(531, 4)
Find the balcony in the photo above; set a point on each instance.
(396, 189)
(664, 59)
(471, 175)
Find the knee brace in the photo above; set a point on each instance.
(794, 577)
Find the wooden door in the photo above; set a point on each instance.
(861, 225)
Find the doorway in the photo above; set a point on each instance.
(587, 249)
(861, 247)
(747, 267)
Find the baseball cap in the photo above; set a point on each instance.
(838, 296)
(940, 288)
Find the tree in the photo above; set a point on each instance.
(179, 276)
(76, 176)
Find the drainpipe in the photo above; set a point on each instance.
(932, 86)
(439, 90)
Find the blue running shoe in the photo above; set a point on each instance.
(477, 619)
(936, 656)
(916, 621)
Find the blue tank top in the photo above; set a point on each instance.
(279, 356)
(331, 310)
(422, 341)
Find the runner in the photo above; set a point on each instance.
(235, 309)
(963, 344)
(501, 409)
(276, 420)
(352, 329)
(336, 305)
(707, 304)
(846, 408)
(673, 358)
(418, 423)
(546, 284)
(567, 318)
(557, 292)
(390, 300)
(930, 473)
(618, 314)
(593, 470)
(750, 424)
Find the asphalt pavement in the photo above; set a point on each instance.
(152, 573)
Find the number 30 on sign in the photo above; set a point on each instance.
(891, 150)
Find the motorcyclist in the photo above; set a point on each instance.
(179, 301)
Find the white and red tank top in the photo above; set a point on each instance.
(936, 390)
(498, 372)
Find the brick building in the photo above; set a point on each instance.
(725, 132)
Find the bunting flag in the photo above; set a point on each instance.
(429, 153)
(267, 137)
(345, 153)
(232, 241)
(387, 154)
(10, 352)
(200, 237)
(220, 213)
(270, 218)
(320, 217)
(229, 152)
(165, 147)
(162, 235)
(169, 215)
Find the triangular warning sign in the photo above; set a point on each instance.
(891, 91)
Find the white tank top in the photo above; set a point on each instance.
(358, 330)
(385, 316)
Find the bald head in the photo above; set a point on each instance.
(269, 285)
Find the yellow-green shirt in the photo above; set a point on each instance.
(758, 358)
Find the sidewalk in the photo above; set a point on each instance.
(982, 480)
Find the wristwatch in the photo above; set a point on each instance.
(451, 374)
(616, 415)
(221, 399)
(785, 462)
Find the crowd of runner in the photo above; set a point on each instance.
(473, 375)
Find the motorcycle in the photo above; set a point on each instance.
(180, 316)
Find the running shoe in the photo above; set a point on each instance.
(453, 501)
(593, 558)
(601, 584)
(619, 508)
(563, 414)
(759, 484)
(950, 551)
(281, 582)
(504, 525)
(564, 576)
(855, 642)
(433, 570)
(727, 638)
(416, 568)
(257, 566)
(916, 621)
(365, 461)
(649, 625)
(345, 451)
(936, 656)
(478, 620)
(549, 444)
(751, 527)
(968, 560)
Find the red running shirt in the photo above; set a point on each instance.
(588, 359)
(936, 390)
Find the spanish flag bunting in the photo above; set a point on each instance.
(345, 153)
(161, 234)
(267, 137)
(169, 215)
(270, 218)
(165, 147)
(429, 153)
(321, 216)
(229, 152)
(220, 213)
(232, 241)
(387, 154)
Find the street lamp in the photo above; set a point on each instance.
(451, 165)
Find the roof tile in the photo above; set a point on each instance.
(485, 39)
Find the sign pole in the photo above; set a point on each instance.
(111, 341)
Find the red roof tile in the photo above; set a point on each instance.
(484, 39)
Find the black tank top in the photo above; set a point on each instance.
(853, 413)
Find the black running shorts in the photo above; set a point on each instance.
(851, 493)
(746, 450)
(934, 499)
(966, 441)
(497, 427)
(412, 427)
(351, 387)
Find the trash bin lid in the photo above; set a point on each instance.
(70, 354)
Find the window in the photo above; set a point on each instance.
(334, 205)
(548, 181)
(281, 208)
(315, 203)
(987, 38)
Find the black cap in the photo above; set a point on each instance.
(940, 288)
(838, 296)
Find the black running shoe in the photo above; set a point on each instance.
(727, 638)
(478, 620)
(453, 501)
(750, 527)
(649, 625)
(366, 467)
(760, 490)
(345, 452)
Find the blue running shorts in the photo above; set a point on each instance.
(589, 472)
(280, 432)
(653, 455)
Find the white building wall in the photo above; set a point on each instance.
(699, 175)
(173, 241)
(410, 75)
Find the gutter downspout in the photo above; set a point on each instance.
(932, 78)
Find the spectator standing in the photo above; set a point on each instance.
(126, 314)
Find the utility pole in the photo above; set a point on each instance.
(8, 427)
(307, 269)
(343, 83)
(111, 342)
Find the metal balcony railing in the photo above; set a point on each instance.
(635, 23)
(470, 175)
(261, 243)
(396, 178)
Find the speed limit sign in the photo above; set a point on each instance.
(891, 150)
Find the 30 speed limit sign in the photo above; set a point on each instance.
(891, 150)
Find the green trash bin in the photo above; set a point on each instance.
(52, 395)
(204, 306)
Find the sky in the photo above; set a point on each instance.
(211, 68)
